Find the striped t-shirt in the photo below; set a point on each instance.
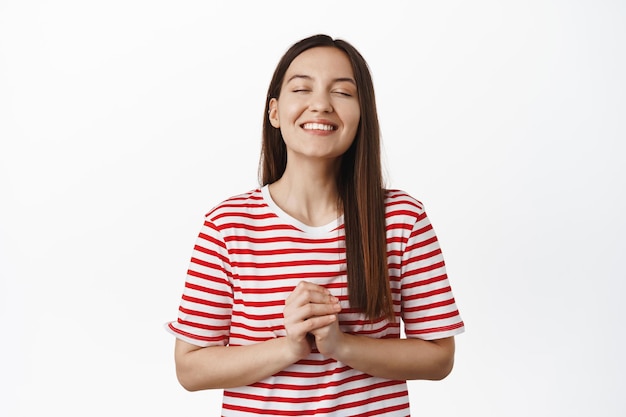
(248, 258)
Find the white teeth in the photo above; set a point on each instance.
(317, 126)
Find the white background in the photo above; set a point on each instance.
(123, 122)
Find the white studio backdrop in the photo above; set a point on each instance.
(123, 122)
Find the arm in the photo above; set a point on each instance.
(307, 309)
(199, 368)
(400, 359)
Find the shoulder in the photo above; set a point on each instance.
(238, 204)
(399, 202)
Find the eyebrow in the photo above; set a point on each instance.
(308, 77)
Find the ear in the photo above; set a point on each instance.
(273, 113)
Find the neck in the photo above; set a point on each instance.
(308, 192)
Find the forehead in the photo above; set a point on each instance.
(321, 62)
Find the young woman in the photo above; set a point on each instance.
(295, 290)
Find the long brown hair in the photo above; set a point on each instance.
(359, 183)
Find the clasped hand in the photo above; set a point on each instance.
(311, 316)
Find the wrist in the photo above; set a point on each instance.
(344, 348)
(292, 352)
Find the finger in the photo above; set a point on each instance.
(303, 287)
(306, 292)
(318, 309)
(309, 311)
(315, 323)
(310, 286)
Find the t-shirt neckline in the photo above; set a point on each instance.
(313, 230)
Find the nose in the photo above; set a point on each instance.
(320, 102)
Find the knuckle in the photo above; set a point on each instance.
(309, 309)
(309, 325)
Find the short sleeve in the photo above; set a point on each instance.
(429, 309)
(205, 309)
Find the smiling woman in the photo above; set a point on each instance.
(296, 289)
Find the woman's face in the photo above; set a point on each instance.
(318, 109)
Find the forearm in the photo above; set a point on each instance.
(401, 359)
(308, 308)
(230, 366)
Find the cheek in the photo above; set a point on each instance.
(354, 112)
(355, 118)
(288, 112)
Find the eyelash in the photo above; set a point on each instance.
(303, 90)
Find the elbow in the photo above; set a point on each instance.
(192, 381)
(188, 371)
(186, 381)
(188, 374)
(442, 367)
(443, 361)
(188, 387)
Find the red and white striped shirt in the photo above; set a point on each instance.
(248, 258)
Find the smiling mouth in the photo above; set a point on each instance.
(318, 126)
